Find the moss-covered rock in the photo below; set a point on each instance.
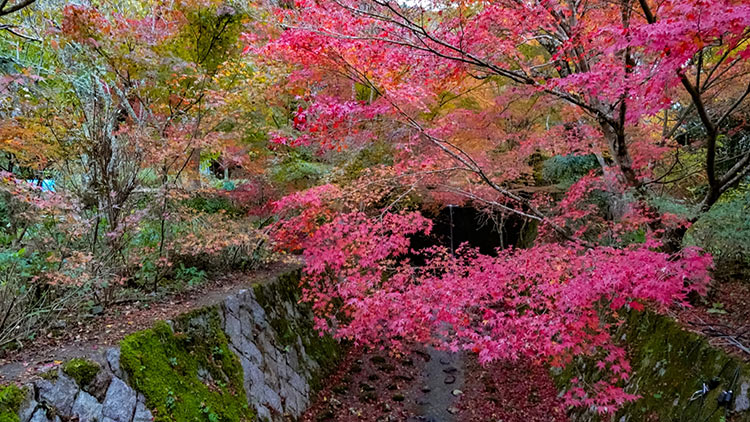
(11, 397)
(82, 371)
(187, 374)
(669, 365)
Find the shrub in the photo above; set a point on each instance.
(724, 231)
(565, 170)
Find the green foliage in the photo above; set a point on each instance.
(213, 204)
(11, 397)
(299, 169)
(82, 371)
(190, 275)
(724, 231)
(375, 154)
(210, 36)
(169, 368)
(666, 204)
(565, 170)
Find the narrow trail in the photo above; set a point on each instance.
(87, 335)
(441, 380)
(434, 386)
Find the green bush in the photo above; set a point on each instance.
(724, 231)
(213, 204)
(565, 170)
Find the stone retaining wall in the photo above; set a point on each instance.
(670, 365)
(255, 356)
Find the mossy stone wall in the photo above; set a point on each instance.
(670, 364)
(253, 356)
(283, 358)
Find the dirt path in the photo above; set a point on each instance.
(87, 337)
(441, 381)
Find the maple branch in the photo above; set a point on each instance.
(493, 203)
(733, 106)
(11, 29)
(16, 7)
(715, 186)
(422, 35)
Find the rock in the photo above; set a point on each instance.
(450, 370)
(452, 410)
(59, 395)
(100, 383)
(204, 376)
(424, 355)
(368, 397)
(377, 360)
(292, 359)
(457, 392)
(742, 401)
(142, 414)
(299, 383)
(426, 389)
(39, 416)
(270, 398)
(119, 403)
(60, 324)
(232, 302)
(28, 406)
(264, 415)
(257, 312)
(113, 360)
(450, 379)
(398, 397)
(87, 408)
(232, 326)
(366, 387)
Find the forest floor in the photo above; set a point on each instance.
(723, 316)
(86, 336)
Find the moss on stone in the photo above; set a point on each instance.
(669, 365)
(83, 371)
(324, 349)
(187, 374)
(50, 375)
(11, 397)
